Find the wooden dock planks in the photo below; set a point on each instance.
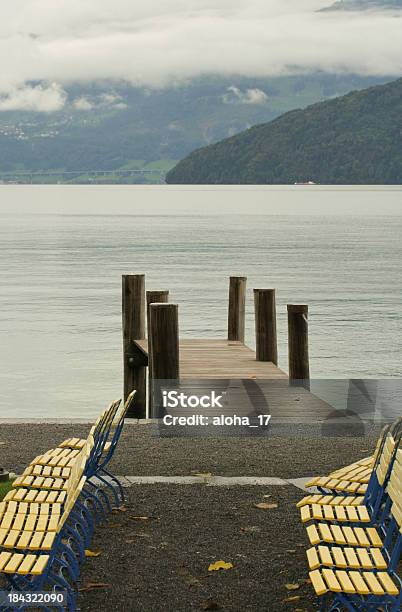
(262, 387)
(214, 359)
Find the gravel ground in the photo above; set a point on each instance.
(141, 454)
(161, 564)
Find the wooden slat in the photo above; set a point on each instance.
(204, 359)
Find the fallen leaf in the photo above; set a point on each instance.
(92, 553)
(265, 506)
(91, 586)
(211, 604)
(202, 474)
(291, 550)
(218, 565)
(250, 529)
(266, 496)
(143, 518)
(119, 509)
(292, 586)
(292, 598)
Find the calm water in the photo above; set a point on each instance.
(60, 321)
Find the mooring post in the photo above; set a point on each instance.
(237, 308)
(153, 297)
(164, 350)
(265, 325)
(299, 367)
(133, 309)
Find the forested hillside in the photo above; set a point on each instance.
(354, 139)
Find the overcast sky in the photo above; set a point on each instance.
(157, 42)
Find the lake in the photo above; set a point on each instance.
(60, 301)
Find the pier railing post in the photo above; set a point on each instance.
(299, 366)
(164, 349)
(237, 308)
(153, 297)
(133, 311)
(265, 325)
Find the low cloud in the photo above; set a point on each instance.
(110, 100)
(43, 99)
(83, 104)
(160, 43)
(250, 96)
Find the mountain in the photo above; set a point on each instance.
(363, 5)
(354, 139)
(134, 134)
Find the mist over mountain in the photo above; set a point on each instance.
(115, 88)
(107, 126)
(353, 139)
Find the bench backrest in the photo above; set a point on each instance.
(102, 428)
(385, 459)
(76, 480)
(118, 427)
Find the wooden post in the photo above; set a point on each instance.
(237, 308)
(265, 325)
(299, 368)
(153, 297)
(164, 349)
(133, 308)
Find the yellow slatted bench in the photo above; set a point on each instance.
(77, 444)
(30, 521)
(353, 582)
(331, 500)
(308, 504)
(36, 495)
(354, 479)
(47, 471)
(40, 482)
(101, 425)
(33, 513)
(337, 484)
(358, 474)
(34, 532)
(347, 536)
(353, 561)
(17, 563)
(344, 513)
(25, 508)
(26, 562)
(346, 557)
(58, 457)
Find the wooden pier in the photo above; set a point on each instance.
(168, 357)
(219, 359)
